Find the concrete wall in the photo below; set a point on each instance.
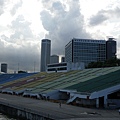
(86, 102)
(53, 95)
(23, 113)
(57, 95)
(113, 103)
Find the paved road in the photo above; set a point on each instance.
(66, 112)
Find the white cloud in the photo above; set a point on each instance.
(63, 25)
(15, 7)
(21, 29)
(2, 2)
(23, 23)
(98, 19)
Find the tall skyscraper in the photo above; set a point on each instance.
(45, 53)
(111, 48)
(85, 50)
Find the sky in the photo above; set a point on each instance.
(24, 23)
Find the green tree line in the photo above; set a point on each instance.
(107, 63)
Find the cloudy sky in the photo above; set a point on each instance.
(23, 23)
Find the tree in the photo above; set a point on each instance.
(107, 63)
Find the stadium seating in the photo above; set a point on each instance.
(87, 80)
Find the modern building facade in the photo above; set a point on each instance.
(85, 50)
(54, 59)
(65, 67)
(45, 53)
(111, 48)
(4, 67)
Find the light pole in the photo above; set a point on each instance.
(34, 66)
(18, 67)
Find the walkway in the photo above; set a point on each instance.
(52, 110)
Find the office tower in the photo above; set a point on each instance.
(45, 53)
(4, 67)
(110, 48)
(54, 59)
(85, 50)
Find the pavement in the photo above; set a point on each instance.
(53, 110)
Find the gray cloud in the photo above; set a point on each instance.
(98, 19)
(117, 11)
(2, 3)
(21, 47)
(47, 20)
(15, 7)
(57, 6)
(26, 54)
(62, 25)
(104, 15)
(21, 29)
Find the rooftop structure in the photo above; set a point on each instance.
(54, 59)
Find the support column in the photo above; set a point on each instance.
(105, 101)
(97, 102)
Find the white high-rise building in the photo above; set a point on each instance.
(45, 53)
(85, 50)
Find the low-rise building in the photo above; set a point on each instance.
(65, 66)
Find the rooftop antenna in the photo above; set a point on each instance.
(109, 37)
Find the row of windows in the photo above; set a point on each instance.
(89, 40)
(57, 69)
(56, 65)
(85, 48)
(89, 60)
(89, 47)
(89, 52)
(89, 56)
(90, 44)
(82, 52)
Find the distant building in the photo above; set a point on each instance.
(62, 59)
(111, 48)
(54, 59)
(65, 66)
(4, 67)
(45, 53)
(85, 50)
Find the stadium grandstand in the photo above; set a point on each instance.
(98, 87)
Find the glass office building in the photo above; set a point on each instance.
(85, 50)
